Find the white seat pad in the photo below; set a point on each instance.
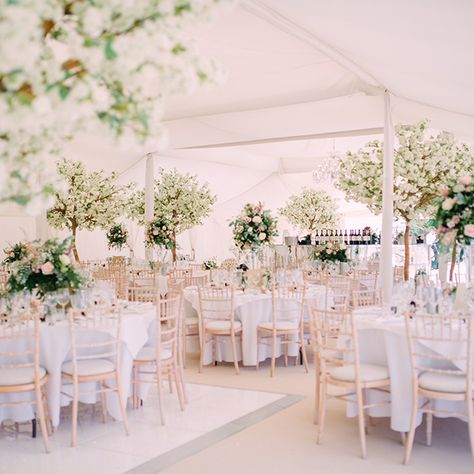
(223, 325)
(448, 383)
(19, 376)
(280, 326)
(191, 321)
(149, 353)
(368, 373)
(90, 367)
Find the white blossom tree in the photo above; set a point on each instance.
(68, 66)
(92, 200)
(180, 200)
(421, 165)
(311, 210)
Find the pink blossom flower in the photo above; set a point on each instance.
(469, 230)
(262, 236)
(466, 180)
(257, 219)
(47, 268)
(443, 190)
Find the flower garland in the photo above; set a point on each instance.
(331, 252)
(159, 232)
(254, 227)
(117, 236)
(455, 215)
(45, 267)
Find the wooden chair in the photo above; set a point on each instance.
(182, 274)
(286, 325)
(142, 277)
(435, 377)
(20, 370)
(216, 317)
(153, 363)
(363, 298)
(94, 359)
(353, 377)
(398, 274)
(143, 294)
(198, 280)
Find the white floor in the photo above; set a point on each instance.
(104, 448)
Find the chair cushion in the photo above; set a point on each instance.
(222, 325)
(19, 376)
(447, 383)
(191, 321)
(280, 326)
(149, 353)
(368, 373)
(90, 367)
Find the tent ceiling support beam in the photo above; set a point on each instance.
(386, 269)
(312, 136)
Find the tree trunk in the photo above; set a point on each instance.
(74, 247)
(453, 262)
(406, 265)
(173, 250)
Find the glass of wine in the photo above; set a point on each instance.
(63, 297)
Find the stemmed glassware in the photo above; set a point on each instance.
(50, 302)
(63, 297)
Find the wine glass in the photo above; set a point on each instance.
(63, 297)
(50, 302)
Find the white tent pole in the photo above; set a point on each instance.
(149, 198)
(386, 270)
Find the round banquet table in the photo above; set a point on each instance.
(251, 309)
(55, 349)
(383, 341)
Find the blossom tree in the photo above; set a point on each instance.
(69, 66)
(421, 165)
(92, 200)
(311, 210)
(180, 200)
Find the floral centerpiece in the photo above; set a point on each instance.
(455, 215)
(334, 252)
(16, 252)
(159, 232)
(254, 227)
(210, 264)
(45, 267)
(117, 236)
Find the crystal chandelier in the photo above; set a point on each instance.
(327, 169)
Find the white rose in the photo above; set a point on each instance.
(262, 236)
(64, 259)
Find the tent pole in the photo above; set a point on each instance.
(386, 269)
(149, 198)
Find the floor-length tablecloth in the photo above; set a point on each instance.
(55, 347)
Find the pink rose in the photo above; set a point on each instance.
(257, 219)
(261, 228)
(443, 190)
(469, 230)
(262, 236)
(47, 268)
(466, 180)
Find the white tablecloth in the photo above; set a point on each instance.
(384, 341)
(251, 309)
(55, 346)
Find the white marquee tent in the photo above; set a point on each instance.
(304, 78)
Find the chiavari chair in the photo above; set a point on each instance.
(96, 341)
(353, 377)
(286, 325)
(398, 273)
(217, 321)
(20, 369)
(439, 377)
(143, 294)
(184, 274)
(361, 298)
(155, 362)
